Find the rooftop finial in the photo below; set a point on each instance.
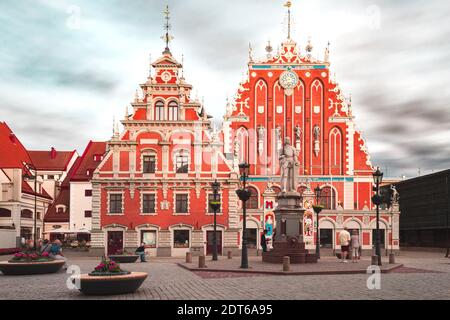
(182, 66)
(250, 52)
(269, 49)
(289, 5)
(327, 52)
(167, 37)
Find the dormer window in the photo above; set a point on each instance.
(159, 111)
(98, 157)
(173, 111)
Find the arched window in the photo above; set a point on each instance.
(173, 111)
(159, 111)
(328, 198)
(5, 213)
(253, 202)
(335, 146)
(26, 213)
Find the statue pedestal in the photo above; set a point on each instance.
(288, 240)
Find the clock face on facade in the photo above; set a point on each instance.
(166, 76)
(289, 79)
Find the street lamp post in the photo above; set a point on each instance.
(376, 199)
(34, 177)
(215, 205)
(244, 194)
(317, 209)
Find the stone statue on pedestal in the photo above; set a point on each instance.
(289, 166)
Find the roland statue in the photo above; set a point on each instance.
(289, 166)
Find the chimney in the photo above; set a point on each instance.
(53, 153)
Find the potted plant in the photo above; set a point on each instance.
(124, 257)
(23, 263)
(108, 278)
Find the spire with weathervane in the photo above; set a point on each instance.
(289, 5)
(167, 27)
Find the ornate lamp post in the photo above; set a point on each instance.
(215, 205)
(376, 199)
(317, 209)
(34, 177)
(244, 194)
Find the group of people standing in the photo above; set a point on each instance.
(349, 244)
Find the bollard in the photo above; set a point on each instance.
(374, 260)
(286, 263)
(230, 254)
(188, 257)
(202, 261)
(391, 258)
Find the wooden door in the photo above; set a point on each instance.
(115, 242)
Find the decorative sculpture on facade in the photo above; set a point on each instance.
(316, 140)
(278, 138)
(261, 135)
(289, 166)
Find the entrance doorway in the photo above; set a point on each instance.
(326, 238)
(252, 238)
(209, 242)
(115, 242)
(382, 238)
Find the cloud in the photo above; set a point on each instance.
(61, 86)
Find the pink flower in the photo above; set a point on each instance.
(45, 254)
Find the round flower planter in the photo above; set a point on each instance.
(96, 285)
(25, 268)
(124, 258)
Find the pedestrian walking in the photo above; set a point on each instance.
(344, 240)
(355, 246)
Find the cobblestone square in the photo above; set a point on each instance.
(423, 276)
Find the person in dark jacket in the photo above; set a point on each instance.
(264, 241)
(141, 252)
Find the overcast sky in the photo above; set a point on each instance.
(68, 67)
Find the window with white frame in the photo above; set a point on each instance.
(149, 163)
(148, 237)
(173, 111)
(115, 203)
(159, 111)
(182, 162)
(148, 203)
(181, 202)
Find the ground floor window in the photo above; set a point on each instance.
(26, 233)
(382, 237)
(252, 238)
(181, 238)
(148, 237)
(326, 238)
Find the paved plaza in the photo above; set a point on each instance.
(422, 276)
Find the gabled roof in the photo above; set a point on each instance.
(85, 167)
(52, 160)
(26, 188)
(12, 153)
(52, 214)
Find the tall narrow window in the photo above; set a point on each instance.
(253, 203)
(115, 203)
(149, 164)
(173, 111)
(159, 111)
(181, 203)
(328, 198)
(148, 203)
(182, 162)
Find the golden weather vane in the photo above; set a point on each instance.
(167, 27)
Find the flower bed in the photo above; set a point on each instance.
(109, 279)
(23, 257)
(23, 263)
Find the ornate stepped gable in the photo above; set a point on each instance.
(293, 95)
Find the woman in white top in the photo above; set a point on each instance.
(355, 246)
